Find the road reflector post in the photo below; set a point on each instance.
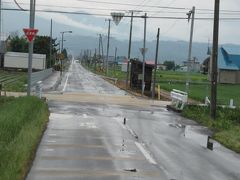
(209, 143)
(39, 89)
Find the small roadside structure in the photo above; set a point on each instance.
(3, 42)
(17, 60)
(136, 75)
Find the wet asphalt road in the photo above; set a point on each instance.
(89, 140)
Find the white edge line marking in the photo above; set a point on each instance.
(52, 135)
(145, 153)
(65, 85)
(49, 150)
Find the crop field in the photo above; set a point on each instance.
(199, 86)
(13, 81)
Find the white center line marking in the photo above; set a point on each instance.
(65, 85)
(145, 153)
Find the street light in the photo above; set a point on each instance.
(62, 47)
(62, 37)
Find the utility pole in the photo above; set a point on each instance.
(190, 14)
(109, 27)
(50, 54)
(129, 48)
(102, 50)
(144, 52)
(99, 45)
(155, 67)
(115, 60)
(214, 68)
(30, 49)
(95, 60)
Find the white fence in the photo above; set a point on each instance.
(179, 98)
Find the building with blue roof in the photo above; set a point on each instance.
(228, 66)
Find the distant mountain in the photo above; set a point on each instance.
(82, 38)
(168, 50)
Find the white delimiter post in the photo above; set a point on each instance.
(31, 25)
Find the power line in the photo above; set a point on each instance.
(163, 7)
(108, 15)
(18, 4)
(112, 9)
(130, 4)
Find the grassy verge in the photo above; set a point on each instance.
(226, 127)
(22, 122)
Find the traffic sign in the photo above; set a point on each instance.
(117, 17)
(30, 33)
(143, 51)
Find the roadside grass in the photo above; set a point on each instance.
(22, 122)
(13, 81)
(226, 127)
(225, 92)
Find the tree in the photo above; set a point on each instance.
(17, 44)
(170, 65)
(41, 46)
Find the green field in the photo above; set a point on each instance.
(199, 86)
(13, 81)
(22, 122)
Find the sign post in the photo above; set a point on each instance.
(30, 34)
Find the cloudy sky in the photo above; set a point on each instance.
(170, 28)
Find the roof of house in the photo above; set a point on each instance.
(228, 59)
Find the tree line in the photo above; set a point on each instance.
(18, 43)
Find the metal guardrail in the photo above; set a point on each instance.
(40, 75)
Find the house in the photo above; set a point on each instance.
(193, 65)
(228, 66)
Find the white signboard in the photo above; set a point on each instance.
(124, 67)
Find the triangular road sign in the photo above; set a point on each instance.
(117, 17)
(143, 51)
(30, 33)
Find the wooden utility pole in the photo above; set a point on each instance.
(214, 61)
(109, 28)
(129, 49)
(155, 67)
(50, 49)
(115, 60)
(144, 53)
